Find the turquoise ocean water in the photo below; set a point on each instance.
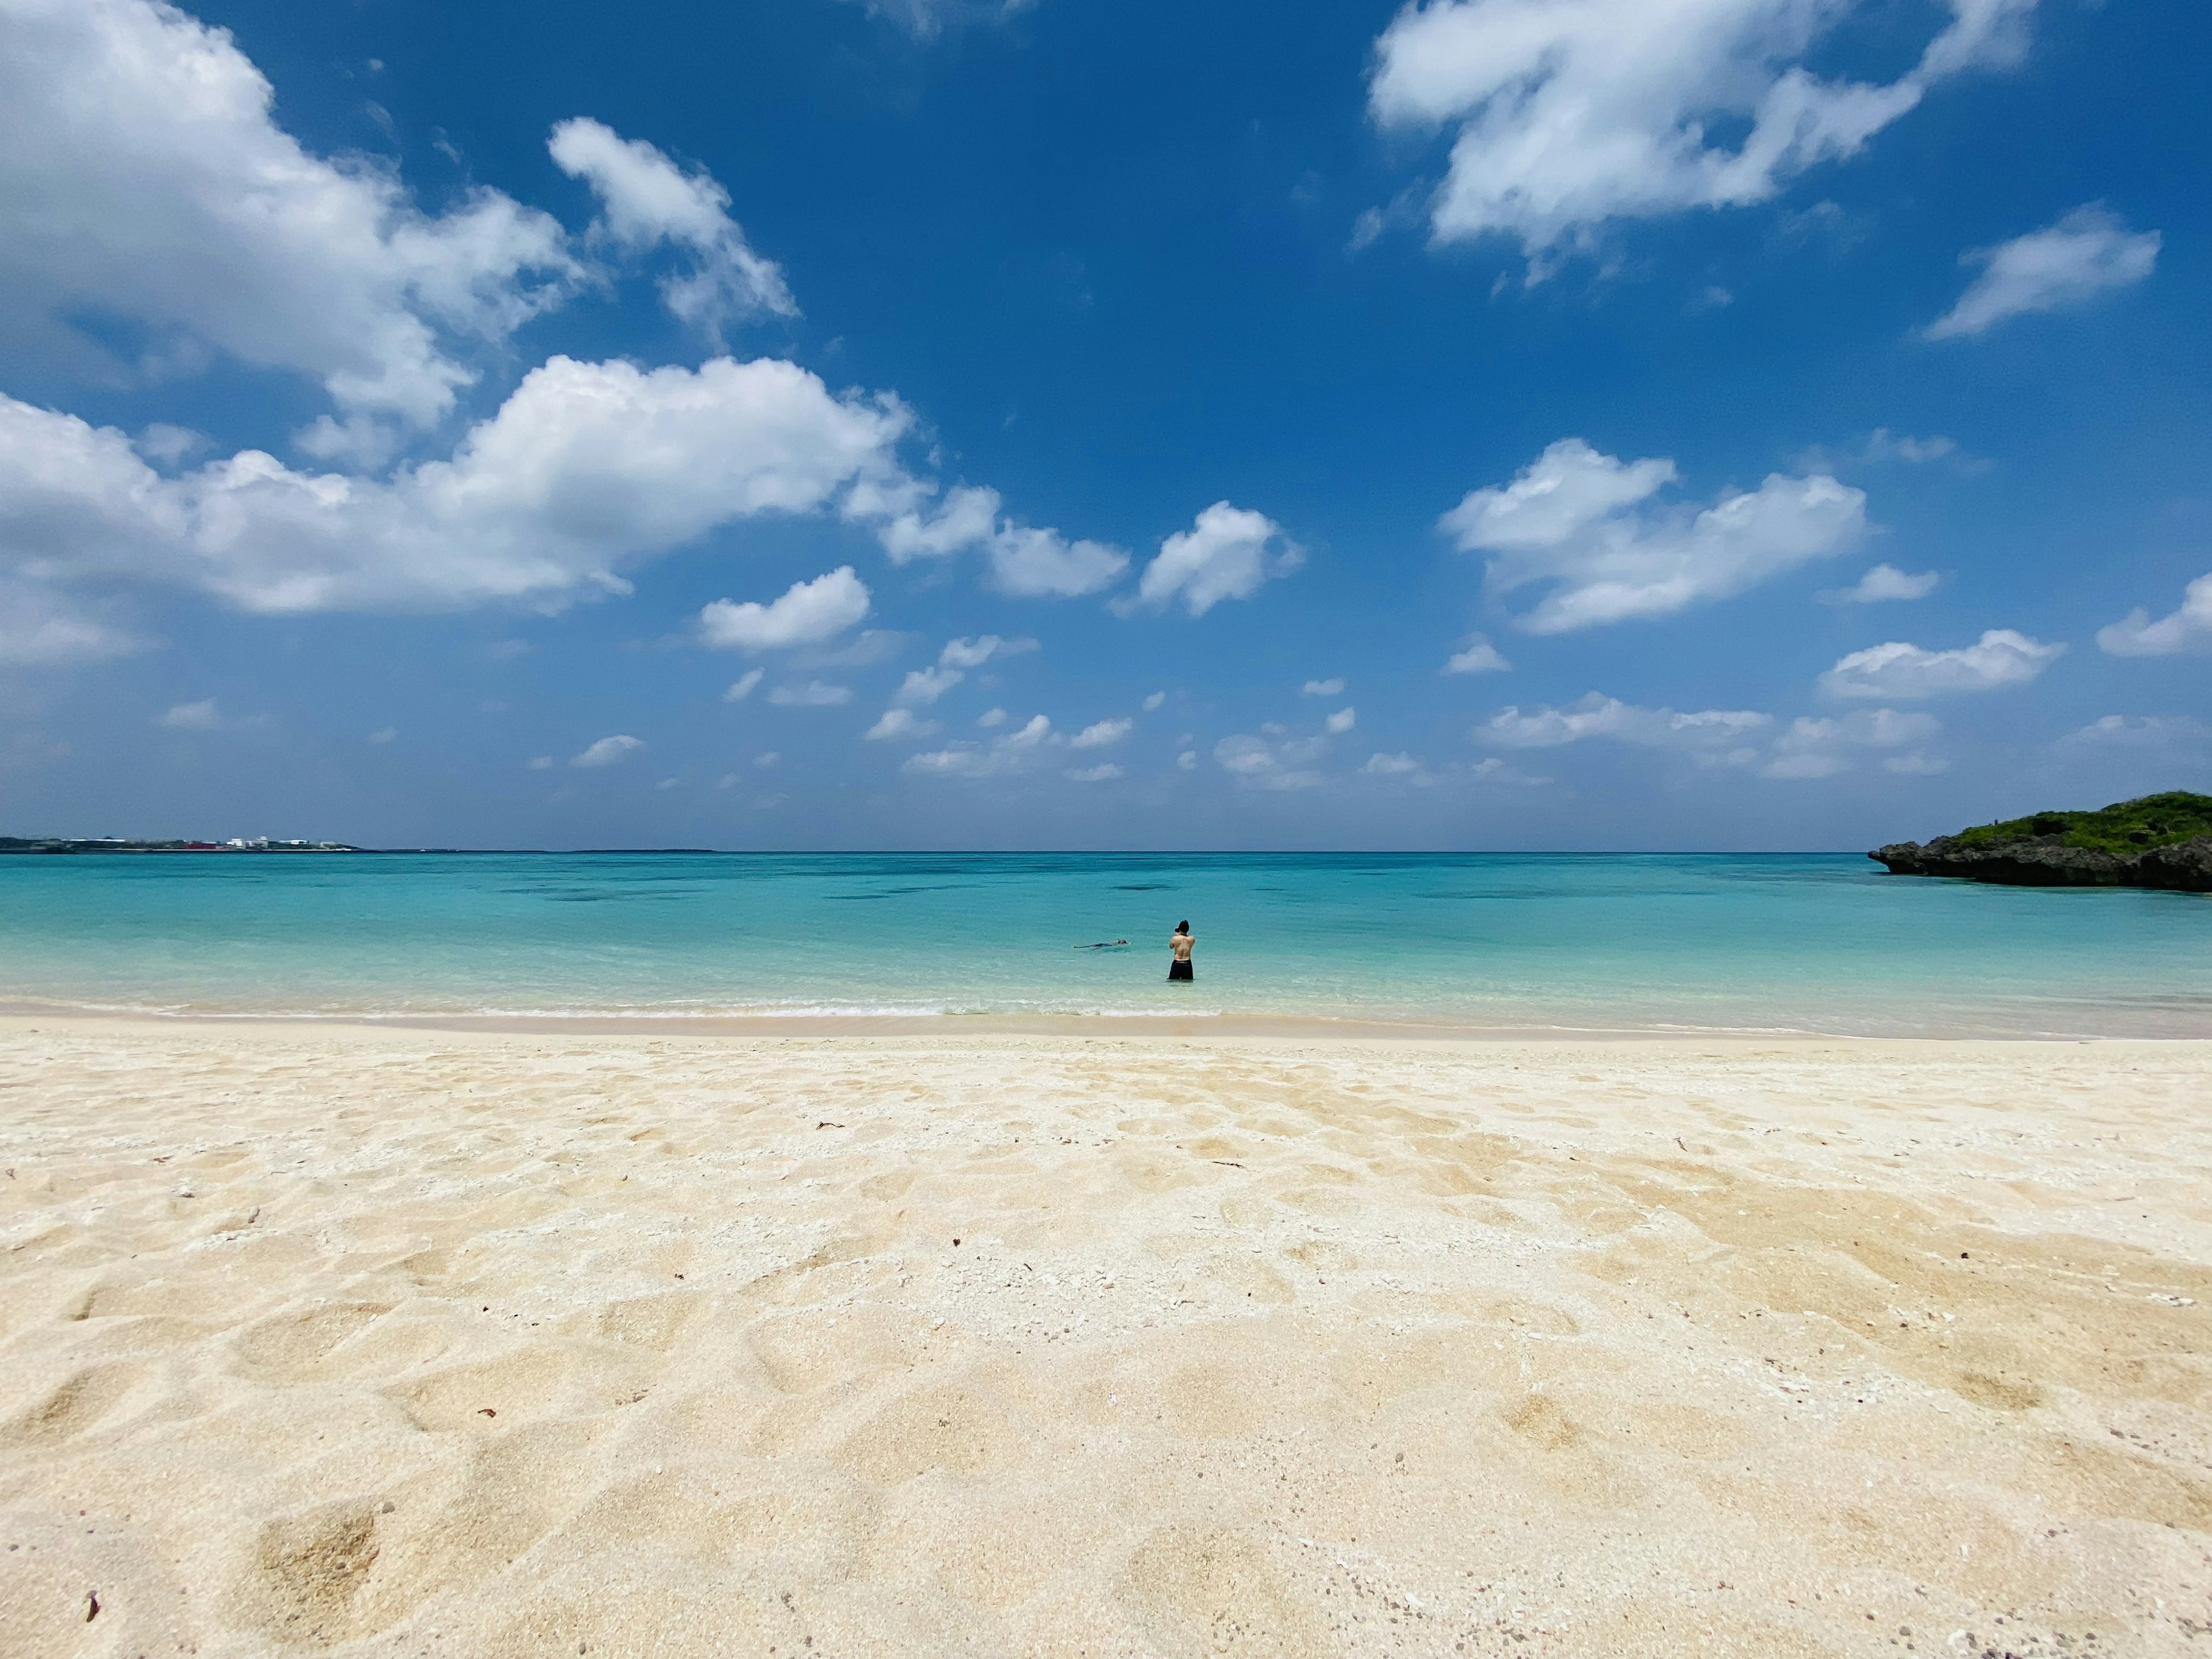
(1818, 943)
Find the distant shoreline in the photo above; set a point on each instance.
(35, 846)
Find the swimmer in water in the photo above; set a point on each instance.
(1181, 943)
(1103, 944)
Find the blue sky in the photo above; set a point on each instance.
(1577, 424)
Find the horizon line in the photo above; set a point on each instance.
(343, 849)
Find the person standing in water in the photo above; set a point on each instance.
(1181, 943)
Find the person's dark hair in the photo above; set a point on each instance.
(1182, 927)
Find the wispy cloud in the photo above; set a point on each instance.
(607, 751)
(1882, 584)
(812, 694)
(2087, 252)
(646, 201)
(200, 716)
(900, 723)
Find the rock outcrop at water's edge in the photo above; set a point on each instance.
(2047, 861)
(2158, 841)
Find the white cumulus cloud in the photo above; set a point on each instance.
(1271, 762)
(587, 469)
(1813, 748)
(1568, 114)
(607, 751)
(909, 530)
(1044, 564)
(807, 613)
(1010, 751)
(171, 445)
(923, 686)
(1022, 559)
(1391, 766)
(1101, 774)
(1332, 687)
(1711, 731)
(1581, 524)
(1907, 673)
(1478, 656)
(2082, 255)
(2188, 627)
(646, 200)
(147, 179)
(1714, 738)
(743, 685)
(1226, 555)
(149, 183)
(1099, 735)
(1340, 722)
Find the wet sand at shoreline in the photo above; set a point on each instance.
(385, 1342)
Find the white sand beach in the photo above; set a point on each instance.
(382, 1342)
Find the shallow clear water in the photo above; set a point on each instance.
(1826, 943)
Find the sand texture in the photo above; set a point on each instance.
(383, 1342)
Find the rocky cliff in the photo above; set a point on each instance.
(2157, 840)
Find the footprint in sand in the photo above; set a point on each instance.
(290, 1346)
(308, 1573)
(79, 1404)
(1213, 1591)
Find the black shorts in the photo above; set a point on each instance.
(1179, 970)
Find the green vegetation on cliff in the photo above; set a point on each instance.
(2125, 828)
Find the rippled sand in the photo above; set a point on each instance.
(381, 1342)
